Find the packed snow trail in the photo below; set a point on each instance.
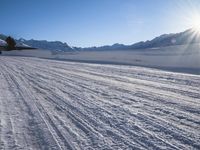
(48, 104)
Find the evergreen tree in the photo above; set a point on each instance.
(10, 43)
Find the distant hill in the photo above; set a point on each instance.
(43, 44)
(40, 44)
(3, 37)
(187, 37)
(19, 45)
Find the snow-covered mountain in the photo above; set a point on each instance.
(2, 40)
(187, 37)
(3, 37)
(19, 44)
(2, 43)
(43, 44)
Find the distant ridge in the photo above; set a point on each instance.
(50, 45)
(3, 37)
(189, 36)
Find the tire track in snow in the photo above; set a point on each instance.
(36, 130)
(94, 100)
(81, 114)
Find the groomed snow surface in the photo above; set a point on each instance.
(48, 104)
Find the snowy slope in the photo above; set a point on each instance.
(183, 58)
(47, 104)
(2, 43)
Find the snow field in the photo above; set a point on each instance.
(48, 104)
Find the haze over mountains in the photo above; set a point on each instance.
(187, 37)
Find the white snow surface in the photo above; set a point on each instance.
(2, 43)
(48, 104)
(184, 57)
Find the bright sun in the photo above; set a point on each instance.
(196, 24)
(197, 29)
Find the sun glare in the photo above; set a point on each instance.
(196, 23)
(197, 28)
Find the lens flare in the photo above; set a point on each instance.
(195, 20)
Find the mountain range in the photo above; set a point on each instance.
(43, 44)
(189, 36)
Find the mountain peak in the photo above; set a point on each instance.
(44, 44)
(188, 36)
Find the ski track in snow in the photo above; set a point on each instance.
(48, 104)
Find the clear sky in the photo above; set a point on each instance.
(96, 22)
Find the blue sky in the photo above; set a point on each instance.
(95, 22)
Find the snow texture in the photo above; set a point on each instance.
(183, 58)
(48, 104)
